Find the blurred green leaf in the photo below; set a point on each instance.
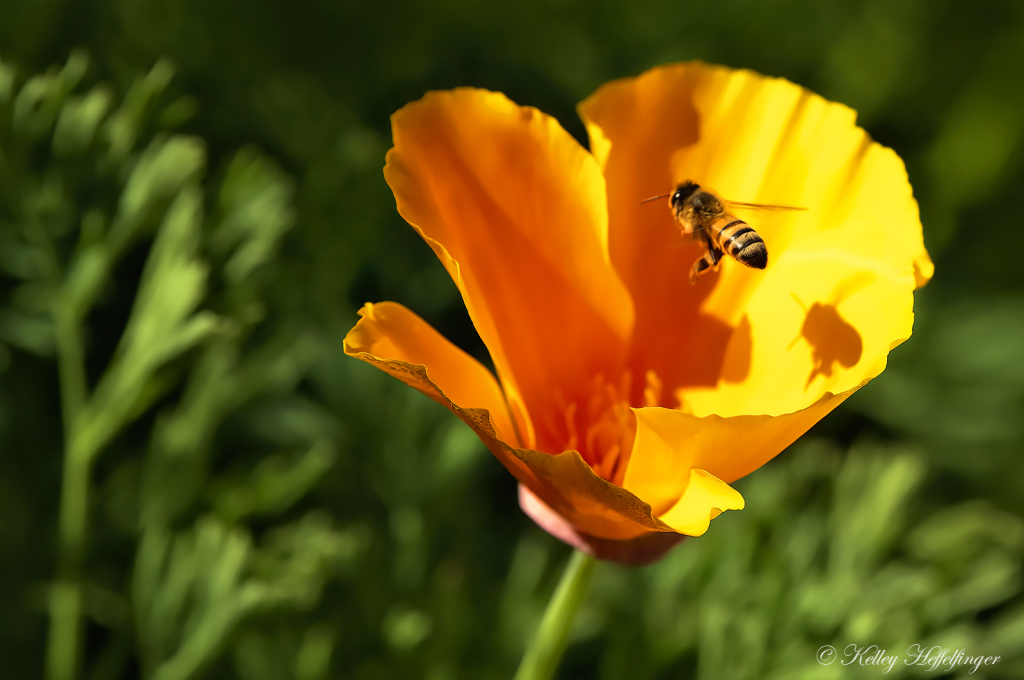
(276, 483)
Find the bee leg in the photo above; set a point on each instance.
(701, 266)
(715, 254)
(710, 261)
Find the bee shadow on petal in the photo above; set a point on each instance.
(832, 339)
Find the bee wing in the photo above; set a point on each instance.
(760, 206)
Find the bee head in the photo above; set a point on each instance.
(683, 192)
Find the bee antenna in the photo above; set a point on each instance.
(654, 198)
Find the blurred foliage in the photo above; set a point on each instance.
(189, 218)
(833, 553)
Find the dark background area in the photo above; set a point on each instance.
(299, 515)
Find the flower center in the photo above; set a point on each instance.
(602, 428)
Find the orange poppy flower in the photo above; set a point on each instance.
(628, 399)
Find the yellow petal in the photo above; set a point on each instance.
(837, 293)
(670, 444)
(822, 319)
(516, 210)
(398, 342)
(705, 498)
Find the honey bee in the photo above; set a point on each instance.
(704, 216)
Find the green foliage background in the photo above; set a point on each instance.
(191, 210)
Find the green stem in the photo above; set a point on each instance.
(545, 652)
(71, 366)
(66, 593)
(62, 653)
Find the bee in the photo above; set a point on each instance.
(704, 216)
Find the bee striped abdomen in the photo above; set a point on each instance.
(740, 240)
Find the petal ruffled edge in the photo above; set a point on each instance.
(391, 330)
(399, 342)
(705, 498)
(670, 445)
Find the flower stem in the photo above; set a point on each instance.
(62, 653)
(545, 652)
(66, 595)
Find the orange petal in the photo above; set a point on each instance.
(837, 293)
(670, 444)
(398, 342)
(389, 334)
(515, 208)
